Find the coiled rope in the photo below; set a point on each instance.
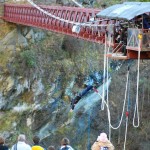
(108, 110)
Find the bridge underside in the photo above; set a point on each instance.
(130, 55)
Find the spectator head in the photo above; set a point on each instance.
(36, 139)
(51, 148)
(22, 138)
(102, 137)
(2, 141)
(65, 141)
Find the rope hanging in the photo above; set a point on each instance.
(136, 111)
(123, 106)
(107, 77)
(126, 130)
(104, 73)
(127, 114)
(108, 111)
(106, 51)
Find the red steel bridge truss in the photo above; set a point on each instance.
(30, 16)
(93, 31)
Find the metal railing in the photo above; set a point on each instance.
(133, 39)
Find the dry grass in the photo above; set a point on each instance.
(6, 124)
(4, 58)
(5, 28)
(27, 97)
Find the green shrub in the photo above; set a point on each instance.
(29, 57)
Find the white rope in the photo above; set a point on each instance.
(107, 76)
(89, 24)
(123, 103)
(127, 117)
(136, 111)
(109, 116)
(126, 130)
(77, 3)
(104, 69)
(104, 73)
(107, 63)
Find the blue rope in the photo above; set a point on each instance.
(89, 130)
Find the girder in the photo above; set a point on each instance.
(64, 20)
(30, 16)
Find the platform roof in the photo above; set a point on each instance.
(127, 10)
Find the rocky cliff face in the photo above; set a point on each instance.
(40, 72)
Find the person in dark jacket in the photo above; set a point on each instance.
(2, 142)
(146, 24)
(80, 95)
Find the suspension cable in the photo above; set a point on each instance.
(77, 4)
(88, 24)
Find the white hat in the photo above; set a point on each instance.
(102, 137)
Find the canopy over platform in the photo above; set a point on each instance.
(127, 10)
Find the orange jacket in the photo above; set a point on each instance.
(97, 145)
